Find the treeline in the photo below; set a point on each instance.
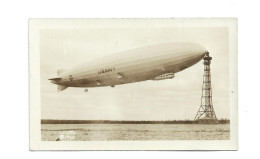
(49, 121)
(224, 121)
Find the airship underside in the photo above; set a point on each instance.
(154, 62)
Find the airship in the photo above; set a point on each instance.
(154, 62)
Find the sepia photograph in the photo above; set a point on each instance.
(133, 84)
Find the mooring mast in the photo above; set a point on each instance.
(206, 113)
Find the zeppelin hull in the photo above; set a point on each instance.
(134, 65)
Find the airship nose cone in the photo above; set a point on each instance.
(198, 50)
(192, 49)
(202, 54)
(194, 53)
(199, 56)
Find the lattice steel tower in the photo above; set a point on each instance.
(206, 113)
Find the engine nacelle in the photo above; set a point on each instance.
(164, 76)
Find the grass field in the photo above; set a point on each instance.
(103, 132)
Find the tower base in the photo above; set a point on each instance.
(207, 120)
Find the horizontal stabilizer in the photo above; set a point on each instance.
(55, 79)
(61, 88)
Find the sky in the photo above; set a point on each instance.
(171, 99)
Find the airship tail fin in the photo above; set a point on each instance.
(60, 71)
(61, 88)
